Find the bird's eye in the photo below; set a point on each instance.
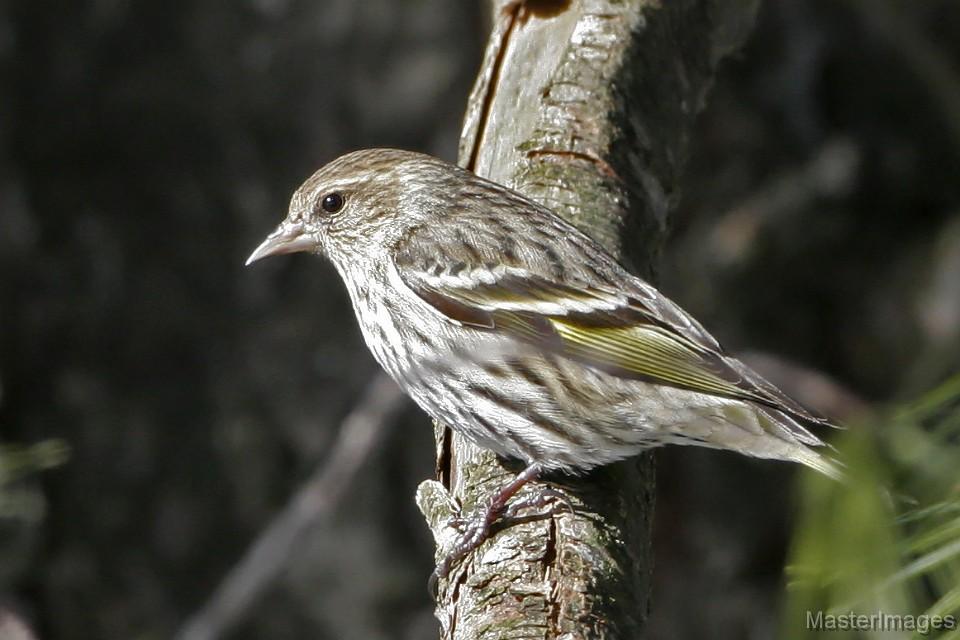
(332, 202)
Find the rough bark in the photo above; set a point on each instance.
(586, 107)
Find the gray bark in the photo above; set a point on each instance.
(585, 106)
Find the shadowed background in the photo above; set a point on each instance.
(146, 148)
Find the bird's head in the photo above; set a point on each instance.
(356, 207)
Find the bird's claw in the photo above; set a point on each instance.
(547, 497)
(476, 529)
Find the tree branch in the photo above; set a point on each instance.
(584, 106)
(269, 554)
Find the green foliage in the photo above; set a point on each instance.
(16, 463)
(887, 542)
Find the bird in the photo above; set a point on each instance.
(510, 325)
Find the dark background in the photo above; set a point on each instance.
(147, 147)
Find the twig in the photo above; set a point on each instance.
(266, 558)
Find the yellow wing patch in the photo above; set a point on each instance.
(645, 351)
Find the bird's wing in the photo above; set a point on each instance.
(602, 328)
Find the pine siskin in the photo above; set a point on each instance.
(508, 324)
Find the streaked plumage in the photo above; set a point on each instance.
(505, 322)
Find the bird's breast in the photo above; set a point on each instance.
(402, 332)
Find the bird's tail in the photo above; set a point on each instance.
(762, 432)
(828, 466)
(799, 444)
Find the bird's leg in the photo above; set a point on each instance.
(477, 531)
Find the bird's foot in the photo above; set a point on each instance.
(545, 503)
(500, 511)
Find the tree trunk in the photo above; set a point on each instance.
(586, 107)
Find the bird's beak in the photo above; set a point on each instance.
(289, 237)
